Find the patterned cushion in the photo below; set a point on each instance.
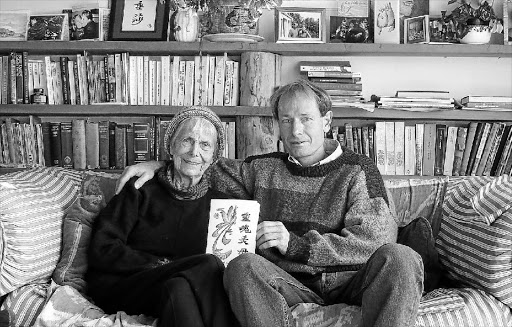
(32, 205)
(76, 234)
(25, 303)
(473, 252)
(493, 199)
(97, 188)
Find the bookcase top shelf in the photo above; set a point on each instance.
(339, 113)
(236, 48)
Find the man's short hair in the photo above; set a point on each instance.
(301, 86)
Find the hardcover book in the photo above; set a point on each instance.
(429, 149)
(479, 144)
(451, 139)
(440, 149)
(493, 152)
(460, 145)
(472, 128)
(410, 150)
(56, 144)
(232, 228)
(490, 141)
(79, 149)
(325, 66)
(92, 145)
(399, 148)
(67, 144)
(380, 146)
(390, 148)
(502, 149)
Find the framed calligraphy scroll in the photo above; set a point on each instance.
(141, 20)
(232, 228)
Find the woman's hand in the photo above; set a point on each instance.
(272, 234)
(144, 170)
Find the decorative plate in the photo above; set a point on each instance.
(233, 37)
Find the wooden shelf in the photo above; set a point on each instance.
(339, 113)
(236, 48)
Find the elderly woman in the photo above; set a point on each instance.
(147, 248)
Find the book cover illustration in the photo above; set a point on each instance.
(48, 27)
(386, 29)
(232, 228)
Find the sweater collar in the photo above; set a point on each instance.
(332, 150)
(166, 177)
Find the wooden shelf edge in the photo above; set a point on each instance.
(236, 48)
(339, 112)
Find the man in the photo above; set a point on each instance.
(326, 232)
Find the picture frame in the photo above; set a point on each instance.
(299, 25)
(507, 22)
(386, 29)
(416, 30)
(48, 27)
(350, 29)
(14, 25)
(441, 32)
(131, 21)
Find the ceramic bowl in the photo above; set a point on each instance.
(477, 34)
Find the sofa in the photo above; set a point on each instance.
(461, 226)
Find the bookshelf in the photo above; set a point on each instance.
(236, 49)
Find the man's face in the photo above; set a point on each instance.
(302, 128)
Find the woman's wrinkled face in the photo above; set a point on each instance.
(193, 149)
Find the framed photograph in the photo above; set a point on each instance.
(14, 25)
(416, 30)
(48, 27)
(350, 30)
(139, 20)
(300, 25)
(441, 31)
(507, 22)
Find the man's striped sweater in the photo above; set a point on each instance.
(337, 213)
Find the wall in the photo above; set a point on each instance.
(382, 75)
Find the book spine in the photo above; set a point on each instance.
(92, 145)
(390, 149)
(5, 79)
(152, 82)
(175, 80)
(78, 95)
(120, 146)
(490, 141)
(141, 142)
(440, 150)
(78, 139)
(236, 84)
(494, 149)
(228, 84)
(158, 83)
(220, 70)
(166, 81)
(12, 75)
(371, 141)
(130, 150)
(140, 80)
(409, 150)
(429, 149)
(20, 93)
(472, 128)
(118, 67)
(26, 78)
(460, 146)
(63, 61)
(480, 148)
(502, 150)
(111, 68)
(365, 141)
(56, 144)
(339, 86)
(449, 158)
(189, 83)
(47, 143)
(349, 136)
(146, 79)
(104, 147)
(41, 162)
(211, 80)
(112, 144)
(420, 133)
(399, 148)
(71, 79)
(380, 146)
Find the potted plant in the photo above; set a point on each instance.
(472, 25)
(227, 16)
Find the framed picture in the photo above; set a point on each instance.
(48, 27)
(441, 31)
(385, 21)
(14, 25)
(300, 25)
(350, 30)
(139, 20)
(416, 30)
(507, 21)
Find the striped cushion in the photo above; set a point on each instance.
(25, 303)
(473, 252)
(479, 310)
(493, 199)
(32, 205)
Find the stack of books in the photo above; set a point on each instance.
(492, 103)
(336, 78)
(418, 101)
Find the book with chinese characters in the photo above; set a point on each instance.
(232, 228)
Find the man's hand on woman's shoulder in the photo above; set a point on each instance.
(144, 171)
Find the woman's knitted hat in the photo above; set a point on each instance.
(196, 112)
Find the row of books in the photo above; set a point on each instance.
(428, 149)
(85, 144)
(493, 103)
(336, 78)
(417, 101)
(120, 78)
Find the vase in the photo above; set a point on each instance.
(240, 19)
(185, 22)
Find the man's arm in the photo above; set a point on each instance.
(144, 171)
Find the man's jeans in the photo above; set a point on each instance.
(388, 288)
